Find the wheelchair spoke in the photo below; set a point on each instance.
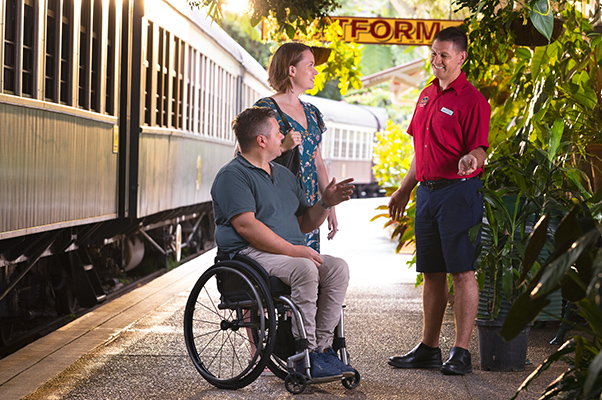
(234, 355)
(214, 309)
(225, 326)
(216, 331)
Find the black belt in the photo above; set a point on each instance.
(434, 185)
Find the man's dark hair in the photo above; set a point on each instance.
(251, 123)
(455, 35)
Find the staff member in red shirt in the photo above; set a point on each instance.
(450, 128)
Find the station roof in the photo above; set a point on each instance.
(402, 78)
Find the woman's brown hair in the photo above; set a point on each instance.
(278, 71)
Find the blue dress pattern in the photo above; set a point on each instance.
(311, 138)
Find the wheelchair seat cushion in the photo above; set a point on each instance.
(278, 287)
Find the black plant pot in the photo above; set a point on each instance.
(498, 354)
(528, 35)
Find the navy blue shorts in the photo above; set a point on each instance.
(443, 218)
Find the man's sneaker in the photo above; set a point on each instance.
(321, 369)
(331, 356)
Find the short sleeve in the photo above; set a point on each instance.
(232, 195)
(319, 117)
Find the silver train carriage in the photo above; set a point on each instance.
(114, 118)
(347, 144)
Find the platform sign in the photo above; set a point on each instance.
(412, 32)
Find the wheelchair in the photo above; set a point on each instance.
(238, 320)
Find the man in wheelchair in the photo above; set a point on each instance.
(261, 212)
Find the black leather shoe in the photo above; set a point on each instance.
(458, 363)
(422, 356)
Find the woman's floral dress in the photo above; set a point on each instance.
(311, 138)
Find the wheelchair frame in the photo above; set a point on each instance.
(238, 294)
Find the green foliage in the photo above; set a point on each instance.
(525, 180)
(343, 62)
(393, 153)
(575, 267)
(546, 99)
(292, 15)
(544, 112)
(249, 37)
(532, 88)
(301, 20)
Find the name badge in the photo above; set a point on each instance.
(447, 111)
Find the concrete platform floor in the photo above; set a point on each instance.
(133, 347)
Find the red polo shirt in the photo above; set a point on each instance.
(447, 125)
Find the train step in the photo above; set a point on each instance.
(86, 284)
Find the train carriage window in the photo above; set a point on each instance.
(351, 144)
(219, 102)
(111, 55)
(148, 87)
(231, 107)
(66, 53)
(58, 51)
(174, 83)
(165, 65)
(208, 115)
(52, 45)
(366, 154)
(162, 78)
(11, 53)
(336, 152)
(344, 143)
(95, 66)
(177, 74)
(201, 89)
(359, 136)
(191, 82)
(29, 50)
(180, 113)
(84, 63)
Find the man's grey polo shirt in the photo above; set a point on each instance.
(276, 200)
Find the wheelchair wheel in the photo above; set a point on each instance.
(278, 364)
(228, 302)
(295, 382)
(351, 383)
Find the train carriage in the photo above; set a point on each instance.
(347, 145)
(114, 118)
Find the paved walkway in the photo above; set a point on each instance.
(133, 347)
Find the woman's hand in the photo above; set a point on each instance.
(333, 225)
(292, 139)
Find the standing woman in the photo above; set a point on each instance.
(290, 73)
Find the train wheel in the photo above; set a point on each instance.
(65, 301)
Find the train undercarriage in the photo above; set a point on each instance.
(50, 278)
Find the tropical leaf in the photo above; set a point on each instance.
(542, 18)
(555, 136)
